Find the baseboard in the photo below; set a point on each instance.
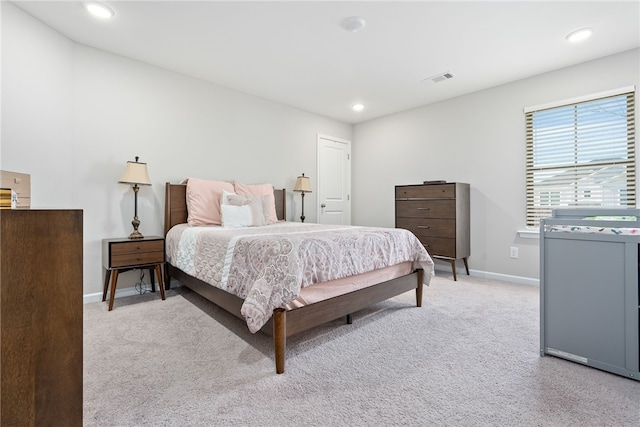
(506, 277)
(120, 293)
(489, 275)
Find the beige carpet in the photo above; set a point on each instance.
(468, 357)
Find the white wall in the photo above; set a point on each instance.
(73, 115)
(36, 106)
(479, 139)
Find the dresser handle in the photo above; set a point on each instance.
(423, 209)
(424, 226)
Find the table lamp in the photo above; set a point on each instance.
(303, 185)
(136, 174)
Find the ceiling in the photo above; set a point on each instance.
(297, 53)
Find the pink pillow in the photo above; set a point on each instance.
(270, 215)
(203, 201)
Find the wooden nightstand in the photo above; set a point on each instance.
(124, 254)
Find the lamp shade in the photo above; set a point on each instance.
(135, 173)
(303, 184)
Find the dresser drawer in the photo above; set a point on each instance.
(437, 246)
(428, 227)
(442, 191)
(426, 209)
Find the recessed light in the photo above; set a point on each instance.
(100, 10)
(353, 24)
(579, 35)
(357, 107)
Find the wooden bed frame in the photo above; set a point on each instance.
(284, 323)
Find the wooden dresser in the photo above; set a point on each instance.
(438, 214)
(41, 317)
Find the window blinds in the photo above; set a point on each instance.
(581, 154)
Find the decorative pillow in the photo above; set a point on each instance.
(255, 205)
(225, 197)
(269, 201)
(236, 216)
(203, 201)
(247, 214)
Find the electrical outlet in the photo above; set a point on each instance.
(513, 252)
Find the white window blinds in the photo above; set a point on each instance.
(581, 154)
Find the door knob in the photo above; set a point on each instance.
(323, 205)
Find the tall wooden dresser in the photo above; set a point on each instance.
(40, 317)
(438, 214)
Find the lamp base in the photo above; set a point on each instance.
(136, 234)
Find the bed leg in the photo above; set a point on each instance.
(419, 288)
(279, 337)
(167, 277)
(349, 319)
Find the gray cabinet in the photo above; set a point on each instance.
(589, 289)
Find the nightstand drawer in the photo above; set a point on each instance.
(136, 258)
(426, 208)
(123, 252)
(132, 247)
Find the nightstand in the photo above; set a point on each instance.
(124, 254)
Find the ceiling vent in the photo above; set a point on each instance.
(438, 78)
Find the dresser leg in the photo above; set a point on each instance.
(453, 269)
(419, 287)
(466, 265)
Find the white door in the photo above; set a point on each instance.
(334, 180)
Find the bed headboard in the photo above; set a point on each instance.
(175, 205)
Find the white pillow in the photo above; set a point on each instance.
(236, 216)
(241, 211)
(224, 200)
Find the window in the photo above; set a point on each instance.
(581, 154)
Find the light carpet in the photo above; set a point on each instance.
(468, 357)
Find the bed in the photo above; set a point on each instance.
(283, 320)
